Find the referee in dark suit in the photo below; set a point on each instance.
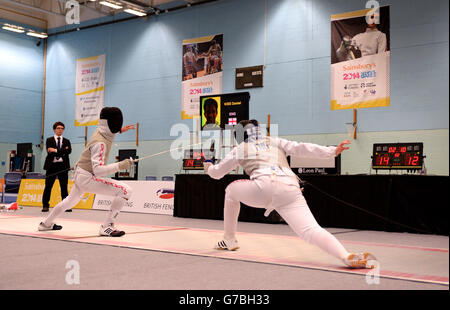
(56, 164)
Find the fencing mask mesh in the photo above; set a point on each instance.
(240, 131)
(114, 117)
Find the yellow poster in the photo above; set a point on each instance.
(31, 190)
(201, 72)
(89, 89)
(360, 59)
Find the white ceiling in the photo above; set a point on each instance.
(47, 14)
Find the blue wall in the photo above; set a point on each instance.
(21, 82)
(143, 74)
(144, 65)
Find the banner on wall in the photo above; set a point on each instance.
(202, 72)
(155, 197)
(360, 59)
(31, 190)
(89, 90)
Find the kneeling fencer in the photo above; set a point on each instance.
(273, 185)
(89, 170)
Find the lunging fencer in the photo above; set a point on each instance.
(90, 169)
(274, 186)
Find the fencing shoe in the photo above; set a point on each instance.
(110, 231)
(361, 260)
(42, 227)
(231, 245)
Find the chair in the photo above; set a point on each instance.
(150, 178)
(35, 175)
(12, 181)
(11, 187)
(167, 178)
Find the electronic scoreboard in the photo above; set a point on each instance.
(193, 159)
(397, 155)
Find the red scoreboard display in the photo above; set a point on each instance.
(397, 155)
(193, 159)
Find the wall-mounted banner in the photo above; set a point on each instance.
(89, 90)
(360, 59)
(202, 72)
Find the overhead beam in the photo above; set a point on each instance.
(28, 6)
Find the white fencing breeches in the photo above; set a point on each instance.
(288, 201)
(85, 182)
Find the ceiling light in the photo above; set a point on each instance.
(135, 12)
(37, 34)
(13, 28)
(111, 4)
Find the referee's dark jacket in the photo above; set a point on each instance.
(63, 152)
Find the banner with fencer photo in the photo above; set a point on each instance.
(360, 59)
(202, 70)
(89, 90)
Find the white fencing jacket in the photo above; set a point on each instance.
(268, 157)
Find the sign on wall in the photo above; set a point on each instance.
(31, 190)
(202, 72)
(89, 90)
(360, 59)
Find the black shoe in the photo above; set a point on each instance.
(42, 227)
(111, 231)
(69, 210)
(45, 209)
(117, 233)
(57, 227)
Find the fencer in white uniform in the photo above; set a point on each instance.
(370, 42)
(273, 185)
(89, 172)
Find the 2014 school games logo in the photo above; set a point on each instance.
(165, 193)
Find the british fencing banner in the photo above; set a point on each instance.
(148, 197)
(89, 90)
(202, 69)
(360, 59)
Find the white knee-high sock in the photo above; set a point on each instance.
(230, 218)
(116, 205)
(68, 203)
(306, 227)
(328, 243)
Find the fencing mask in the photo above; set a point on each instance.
(114, 118)
(243, 130)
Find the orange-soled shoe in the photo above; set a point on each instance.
(361, 260)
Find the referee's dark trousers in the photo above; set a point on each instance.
(55, 171)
